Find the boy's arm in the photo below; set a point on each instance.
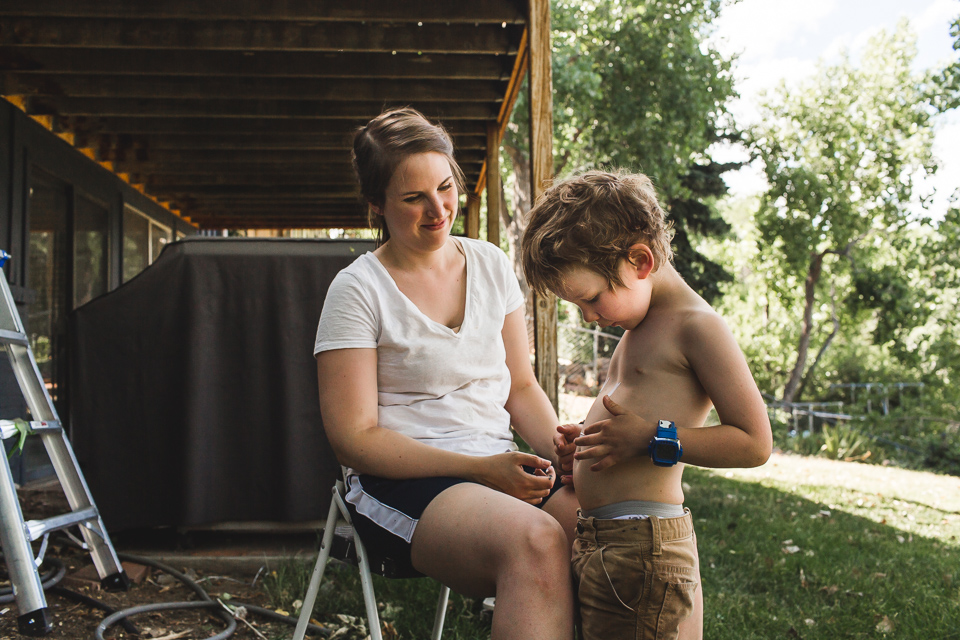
(743, 438)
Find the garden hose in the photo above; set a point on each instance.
(50, 581)
(51, 578)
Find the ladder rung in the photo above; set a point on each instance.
(13, 337)
(8, 428)
(36, 528)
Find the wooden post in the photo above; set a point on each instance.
(493, 183)
(471, 224)
(541, 170)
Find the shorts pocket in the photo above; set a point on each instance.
(611, 587)
(676, 606)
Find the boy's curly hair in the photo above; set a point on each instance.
(592, 220)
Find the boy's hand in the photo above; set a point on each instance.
(615, 439)
(564, 447)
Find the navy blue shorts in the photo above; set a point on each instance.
(385, 513)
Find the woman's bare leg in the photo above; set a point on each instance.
(480, 542)
(563, 507)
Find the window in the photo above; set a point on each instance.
(47, 276)
(90, 251)
(143, 239)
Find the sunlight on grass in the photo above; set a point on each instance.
(811, 548)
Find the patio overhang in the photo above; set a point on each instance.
(240, 114)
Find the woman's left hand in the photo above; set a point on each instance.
(625, 435)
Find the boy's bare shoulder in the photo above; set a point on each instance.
(695, 319)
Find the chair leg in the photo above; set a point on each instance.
(441, 612)
(310, 599)
(366, 584)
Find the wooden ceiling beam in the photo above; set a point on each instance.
(251, 35)
(218, 108)
(279, 222)
(83, 125)
(277, 64)
(278, 192)
(192, 167)
(253, 88)
(238, 141)
(228, 157)
(233, 179)
(426, 11)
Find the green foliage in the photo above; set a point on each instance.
(636, 86)
(843, 153)
(945, 87)
(843, 442)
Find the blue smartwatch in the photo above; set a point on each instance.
(665, 449)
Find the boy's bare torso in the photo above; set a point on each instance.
(649, 376)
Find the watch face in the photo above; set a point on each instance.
(664, 450)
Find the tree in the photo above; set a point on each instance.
(946, 87)
(843, 153)
(636, 86)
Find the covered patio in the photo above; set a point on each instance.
(204, 116)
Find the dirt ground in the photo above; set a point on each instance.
(75, 621)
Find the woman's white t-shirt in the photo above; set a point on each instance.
(444, 388)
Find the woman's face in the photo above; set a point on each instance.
(421, 202)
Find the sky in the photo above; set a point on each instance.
(777, 39)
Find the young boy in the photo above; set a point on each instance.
(600, 241)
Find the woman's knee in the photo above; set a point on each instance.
(537, 540)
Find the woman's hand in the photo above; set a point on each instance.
(505, 472)
(564, 448)
(625, 435)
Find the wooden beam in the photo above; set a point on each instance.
(245, 35)
(277, 193)
(471, 222)
(239, 141)
(115, 86)
(492, 168)
(247, 108)
(276, 222)
(426, 11)
(288, 64)
(80, 125)
(232, 179)
(541, 170)
(186, 167)
(227, 157)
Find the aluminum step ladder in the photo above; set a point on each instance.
(15, 534)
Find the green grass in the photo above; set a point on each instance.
(800, 548)
(407, 605)
(824, 549)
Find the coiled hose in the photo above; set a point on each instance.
(50, 579)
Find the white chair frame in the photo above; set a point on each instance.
(339, 516)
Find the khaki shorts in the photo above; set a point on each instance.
(635, 578)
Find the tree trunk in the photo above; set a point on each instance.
(823, 348)
(810, 288)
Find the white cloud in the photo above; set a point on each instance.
(760, 28)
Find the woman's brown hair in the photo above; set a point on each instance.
(384, 143)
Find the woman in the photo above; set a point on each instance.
(423, 362)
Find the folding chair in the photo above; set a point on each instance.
(339, 525)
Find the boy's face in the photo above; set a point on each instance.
(624, 307)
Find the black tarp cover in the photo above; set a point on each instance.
(193, 387)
